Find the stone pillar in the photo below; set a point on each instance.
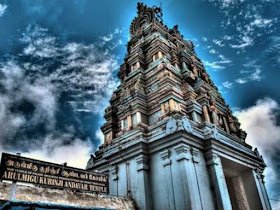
(122, 124)
(205, 112)
(189, 179)
(194, 118)
(226, 125)
(138, 117)
(129, 121)
(143, 181)
(166, 162)
(240, 194)
(113, 186)
(261, 190)
(219, 182)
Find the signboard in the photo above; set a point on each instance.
(45, 174)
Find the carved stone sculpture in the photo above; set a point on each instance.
(214, 111)
(171, 126)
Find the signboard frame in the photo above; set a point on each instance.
(51, 175)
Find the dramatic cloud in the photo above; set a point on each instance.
(260, 123)
(25, 106)
(83, 71)
(60, 153)
(52, 96)
(3, 8)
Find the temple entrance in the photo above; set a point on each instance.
(241, 186)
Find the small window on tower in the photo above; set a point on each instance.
(157, 56)
(124, 124)
(134, 119)
(135, 66)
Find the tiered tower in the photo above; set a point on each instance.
(171, 141)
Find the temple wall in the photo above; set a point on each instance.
(181, 179)
(171, 179)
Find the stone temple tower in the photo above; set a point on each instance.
(171, 141)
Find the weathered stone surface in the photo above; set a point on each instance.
(65, 197)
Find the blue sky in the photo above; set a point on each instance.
(59, 59)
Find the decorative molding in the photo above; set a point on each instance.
(183, 152)
(214, 159)
(195, 155)
(114, 172)
(142, 163)
(214, 133)
(165, 157)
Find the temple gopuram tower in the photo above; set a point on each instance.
(171, 141)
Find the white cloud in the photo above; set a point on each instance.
(109, 37)
(39, 43)
(273, 50)
(263, 132)
(3, 8)
(218, 64)
(82, 72)
(76, 153)
(227, 84)
(204, 39)
(227, 37)
(99, 135)
(245, 41)
(256, 75)
(218, 42)
(260, 22)
(259, 121)
(35, 101)
(213, 65)
(251, 64)
(212, 51)
(225, 3)
(241, 80)
(251, 72)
